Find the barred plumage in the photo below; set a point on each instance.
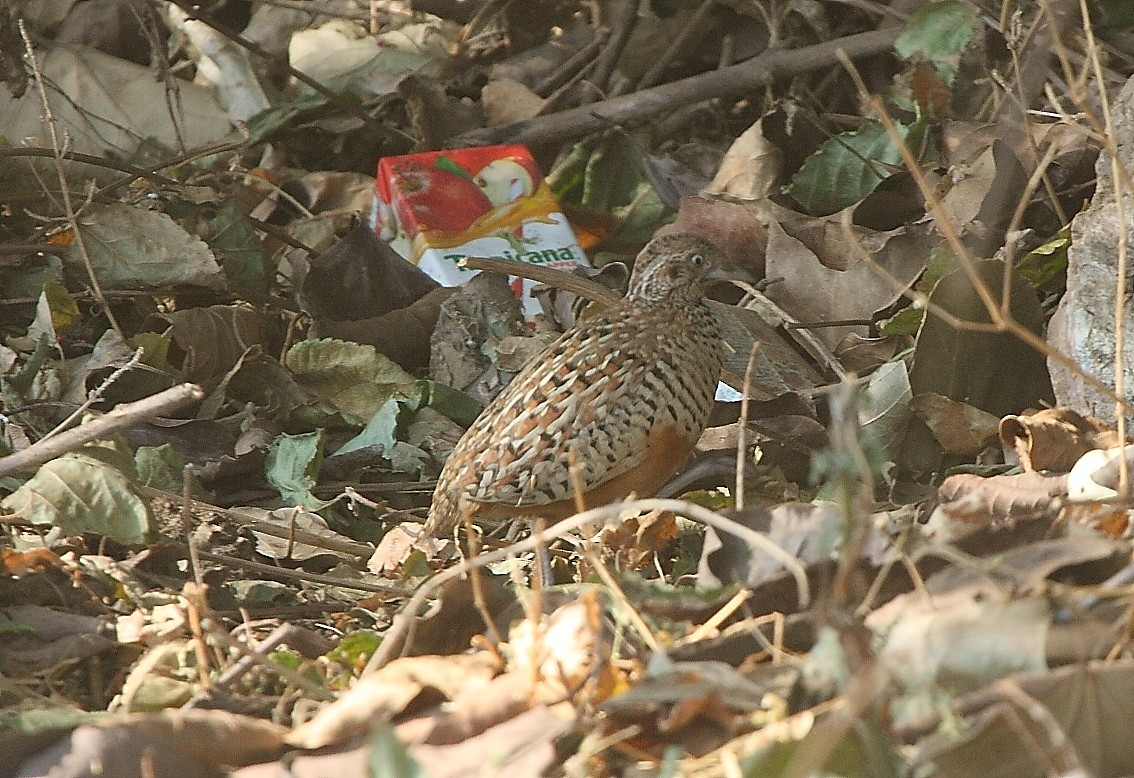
(629, 390)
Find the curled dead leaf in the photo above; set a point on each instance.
(1054, 439)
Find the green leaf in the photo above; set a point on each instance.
(292, 467)
(1048, 262)
(23, 379)
(939, 32)
(160, 467)
(247, 265)
(905, 322)
(54, 313)
(389, 757)
(355, 648)
(289, 659)
(79, 493)
(134, 248)
(349, 379)
(454, 403)
(272, 119)
(379, 431)
(848, 167)
(12, 628)
(609, 176)
(155, 350)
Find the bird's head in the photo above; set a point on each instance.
(680, 266)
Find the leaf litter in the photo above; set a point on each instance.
(919, 561)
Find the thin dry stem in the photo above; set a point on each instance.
(560, 279)
(96, 395)
(259, 657)
(999, 323)
(190, 537)
(948, 231)
(742, 429)
(476, 581)
(397, 633)
(119, 417)
(69, 210)
(1056, 742)
(709, 627)
(299, 575)
(240, 667)
(635, 618)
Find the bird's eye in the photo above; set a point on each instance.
(697, 259)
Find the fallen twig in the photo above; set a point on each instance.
(118, 418)
(395, 641)
(649, 103)
(560, 279)
(620, 31)
(679, 44)
(564, 73)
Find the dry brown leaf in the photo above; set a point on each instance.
(566, 652)
(211, 340)
(960, 428)
(707, 707)
(750, 168)
(968, 502)
(523, 745)
(20, 563)
(169, 744)
(696, 704)
(473, 711)
(397, 544)
(473, 320)
(1109, 520)
(506, 101)
(337, 191)
(402, 335)
(37, 638)
(384, 694)
(972, 625)
(361, 278)
(1054, 439)
(1086, 704)
(862, 356)
(636, 540)
(514, 352)
(811, 291)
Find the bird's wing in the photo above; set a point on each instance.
(583, 399)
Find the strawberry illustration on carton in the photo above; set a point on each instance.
(436, 208)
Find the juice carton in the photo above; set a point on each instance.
(438, 207)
